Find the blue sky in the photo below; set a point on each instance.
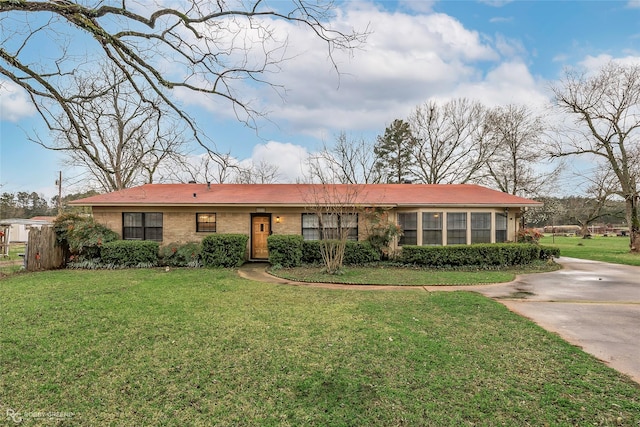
(497, 52)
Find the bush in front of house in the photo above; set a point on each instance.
(360, 253)
(130, 253)
(355, 253)
(285, 250)
(81, 236)
(224, 250)
(528, 235)
(181, 254)
(549, 252)
(480, 255)
(311, 253)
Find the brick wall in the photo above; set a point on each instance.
(179, 223)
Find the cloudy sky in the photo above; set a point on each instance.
(495, 51)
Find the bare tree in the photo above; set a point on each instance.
(451, 143)
(516, 137)
(585, 210)
(606, 108)
(124, 140)
(207, 167)
(199, 46)
(346, 162)
(335, 216)
(262, 172)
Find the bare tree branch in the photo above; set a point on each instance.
(200, 46)
(451, 141)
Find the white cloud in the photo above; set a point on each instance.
(595, 63)
(509, 83)
(421, 6)
(289, 158)
(407, 60)
(496, 3)
(14, 102)
(501, 19)
(509, 47)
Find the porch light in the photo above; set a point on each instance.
(278, 219)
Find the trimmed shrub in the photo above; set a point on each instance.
(130, 253)
(181, 254)
(360, 253)
(224, 250)
(311, 252)
(480, 255)
(355, 253)
(549, 252)
(285, 250)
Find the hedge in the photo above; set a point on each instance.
(359, 253)
(311, 252)
(549, 252)
(224, 250)
(130, 253)
(494, 254)
(285, 250)
(181, 254)
(355, 253)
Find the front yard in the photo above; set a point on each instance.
(204, 347)
(612, 249)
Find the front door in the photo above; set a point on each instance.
(260, 228)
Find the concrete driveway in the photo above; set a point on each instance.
(591, 304)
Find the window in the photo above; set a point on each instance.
(350, 223)
(408, 222)
(501, 228)
(457, 228)
(329, 227)
(310, 227)
(142, 226)
(480, 227)
(431, 228)
(206, 222)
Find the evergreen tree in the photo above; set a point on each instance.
(393, 151)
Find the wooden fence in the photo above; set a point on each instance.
(42, 251)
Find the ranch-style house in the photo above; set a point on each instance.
(439, 214)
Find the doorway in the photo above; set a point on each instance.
(260, 230)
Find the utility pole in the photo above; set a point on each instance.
(59, 184)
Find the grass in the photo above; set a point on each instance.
(381, 275)
(608, 249)
(202, 347)
(13, 263)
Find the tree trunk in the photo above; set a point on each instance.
(584, 230)
(634, 223)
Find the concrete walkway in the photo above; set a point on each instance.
(590, 304)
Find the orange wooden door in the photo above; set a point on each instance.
(260, 226)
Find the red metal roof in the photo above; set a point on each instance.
(307, 194)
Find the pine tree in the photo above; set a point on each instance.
(394, 152)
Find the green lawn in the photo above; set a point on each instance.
(608, 249)
(204, 347)
(390, 275)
